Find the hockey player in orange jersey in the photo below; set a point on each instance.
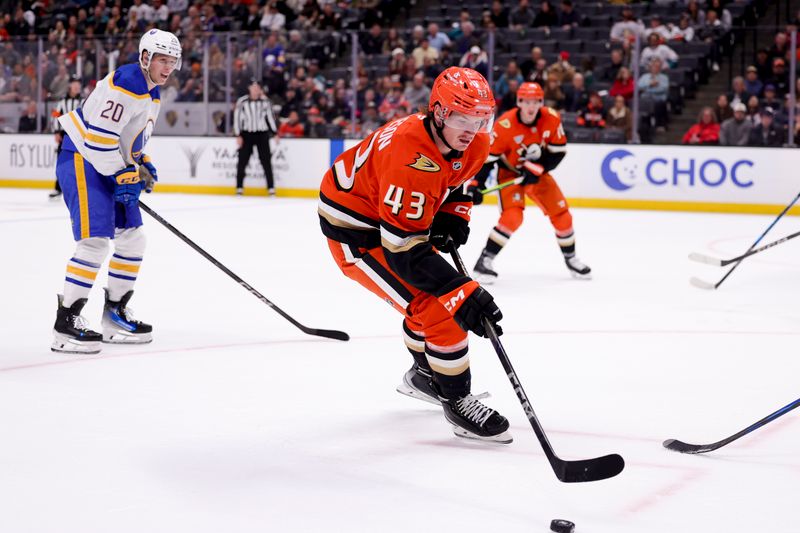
(529, 132)
(388, 206)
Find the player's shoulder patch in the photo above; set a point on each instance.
(129, 80)
(425, 164)
(504, 122)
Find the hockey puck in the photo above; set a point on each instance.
(562, 526)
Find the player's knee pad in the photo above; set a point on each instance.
(511, 219)
(562, 221)
(94, 249)
(130, 242)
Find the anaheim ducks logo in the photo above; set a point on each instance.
(505, 123)
(425, 164)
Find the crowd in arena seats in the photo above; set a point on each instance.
(580, 51)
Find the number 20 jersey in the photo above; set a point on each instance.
(115, 122)
(386, 190)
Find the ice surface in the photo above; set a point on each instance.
(233, 420)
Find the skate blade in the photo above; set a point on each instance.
(407, 390)
(578, 275)
(65, 345)
(484, 279)
(125, 337)
(501, 438)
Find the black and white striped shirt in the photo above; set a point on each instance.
(64, 106)
(253, 116)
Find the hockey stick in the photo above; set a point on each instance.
(682, 447)
(712, 286)
(535, 168)
(328, 333)
(566, 471)
(707, 259)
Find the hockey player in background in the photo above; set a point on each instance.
(388, 205)
(102, 169)
(529, 132)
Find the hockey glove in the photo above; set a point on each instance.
(474, 189)
(470, 304)
(448, 231)
(127, 186)
(531, 173)
(148, 173)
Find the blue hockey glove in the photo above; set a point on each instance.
(127, 186)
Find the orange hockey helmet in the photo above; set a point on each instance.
(530, 90)
(462, 90)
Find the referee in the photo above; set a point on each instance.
(253, 123)
(70, 102)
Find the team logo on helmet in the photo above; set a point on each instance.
(425, 164)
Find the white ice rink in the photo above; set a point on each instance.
(232, 420)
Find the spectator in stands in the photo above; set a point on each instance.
(697, 16)
(476, 59)
(576, 96)
(656, 49)
(315, 126)
(754, 111)
(292, 128)
(561, 69)
(370, 121)
(160, 13)
(178, 7)
(766, 133)
(779, 78)
(27, 121)
(711, 29)
(780, 46)
(592, 115)
(417, 93)
(392, 102)
(546, 17)
(499, 14)
(654, 86)
(770, 98)
(372, 41)
(621, 117)
(623, 85)
(328, 19)
(739, 91)
(529, 65)
(683, 31)
(763, 64)
(508, 101)
(309, 16)
(467, 40)
(539, 74)
(735, 131)
(437, 39)
(627, 28)
(753, 85)
(568, 17)
(424, 51)
(521, 17)
(417, 35)
(393, 41)
(610, 72)
(705, 131)
(554, 94)
(657, 26)
(501, 85)
(253, 20)
(723, 110)
(59, 84)
(722, 14)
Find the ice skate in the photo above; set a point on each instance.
(119, 326)
(71, 332)
(417, 384)
(577, 268)
(473, 420)
(483, 272)
(55, 194)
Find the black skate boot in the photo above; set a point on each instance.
(119, 326)
(473, 420)
(417, 384)
(577, 268)
(71, 333)
(483, 272)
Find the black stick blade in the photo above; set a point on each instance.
(682, 447)
(329, 334)
(590, 469)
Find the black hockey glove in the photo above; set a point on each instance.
(474, 190)
(531, 173)
(448, 231)
(478, 306)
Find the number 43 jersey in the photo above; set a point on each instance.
(391, 184)
(113, 126)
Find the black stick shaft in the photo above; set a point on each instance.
(761, 249)
(332, 334)
(737, 263)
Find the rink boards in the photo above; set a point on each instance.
(682, 178)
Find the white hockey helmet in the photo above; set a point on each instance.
(159, 42)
